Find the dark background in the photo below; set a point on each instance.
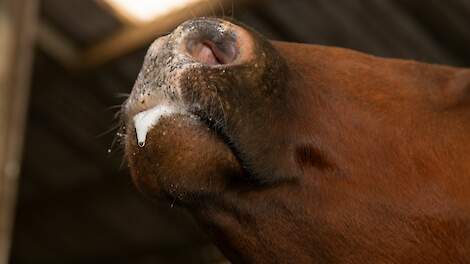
(76, 201)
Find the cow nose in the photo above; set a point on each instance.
(214, 41)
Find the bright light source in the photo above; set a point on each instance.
(147, 10)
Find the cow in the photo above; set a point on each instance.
(295, 153)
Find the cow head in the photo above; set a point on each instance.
(291, 153)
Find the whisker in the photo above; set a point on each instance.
(122, 95)
(118, 114)
(117, 138)
(113, 128)
(123, 162)
(113, 143)
(224, 116)
(114, 107)
(164, 33)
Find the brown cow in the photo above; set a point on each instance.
(291, 153)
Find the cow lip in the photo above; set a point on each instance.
(147, 119)
(219, 128)
(168, 109)
(214, 127)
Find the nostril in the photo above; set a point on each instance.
(213, 53)
(214, 42)
(206, 54)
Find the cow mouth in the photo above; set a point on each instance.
(185, 153)
(218, 127)
(148, 119)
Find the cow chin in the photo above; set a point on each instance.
(182, 160)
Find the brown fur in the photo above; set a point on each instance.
(348, 158)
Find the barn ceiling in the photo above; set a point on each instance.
(76, 201)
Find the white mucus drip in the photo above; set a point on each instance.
(144, 121)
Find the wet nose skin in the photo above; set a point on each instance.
(194, 44)
(216, 48)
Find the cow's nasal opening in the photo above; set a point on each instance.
(211, 52)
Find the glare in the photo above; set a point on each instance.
(148, 10)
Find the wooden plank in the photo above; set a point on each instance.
(83, 21)
(132, 37)
(62, 49)
(17, 20)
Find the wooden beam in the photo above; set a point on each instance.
(17, 21)
(129, 38)
(57, 45)
(132, 37)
